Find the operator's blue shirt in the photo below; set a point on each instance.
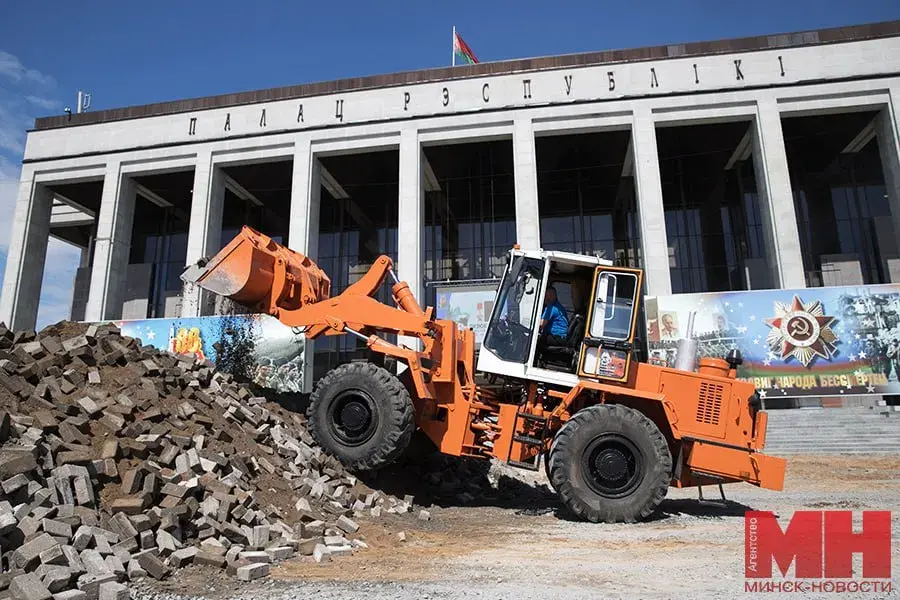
(557, 322)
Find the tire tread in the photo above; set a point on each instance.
(401, 424)
(562, 451)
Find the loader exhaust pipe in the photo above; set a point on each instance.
(688, 347)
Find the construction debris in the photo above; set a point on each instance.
(119, 461)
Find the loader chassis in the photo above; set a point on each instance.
(613, 432)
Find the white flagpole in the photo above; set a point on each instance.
(453, 49)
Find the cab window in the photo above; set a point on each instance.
(614, 306)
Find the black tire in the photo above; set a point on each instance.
(362, 415)
(610, 463)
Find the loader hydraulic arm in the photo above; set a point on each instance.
(264, 275)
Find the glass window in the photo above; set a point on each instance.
(513, 321)
(585, 204)
(840, 200)
(712, 213)
(614, 306)
(470, 213)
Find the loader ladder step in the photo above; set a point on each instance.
(528, 440)
(530, 417)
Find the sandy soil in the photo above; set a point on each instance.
(528, 548)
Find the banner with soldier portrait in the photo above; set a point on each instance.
(829, 341)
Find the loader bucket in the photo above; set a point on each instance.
(252, 266)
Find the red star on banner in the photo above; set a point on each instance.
(802, 331)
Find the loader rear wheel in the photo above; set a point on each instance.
(610, 463)
(362, 415)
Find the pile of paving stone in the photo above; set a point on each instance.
(120, 461)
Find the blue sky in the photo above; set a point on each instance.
(128, 53)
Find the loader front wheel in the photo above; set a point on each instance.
(362, 415)
(610, 463)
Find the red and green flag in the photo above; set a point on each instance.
(462, 54)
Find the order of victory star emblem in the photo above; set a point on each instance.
(802, 331)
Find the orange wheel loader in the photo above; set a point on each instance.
(614, 433)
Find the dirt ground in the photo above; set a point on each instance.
(528, 548)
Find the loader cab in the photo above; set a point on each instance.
(600, 303)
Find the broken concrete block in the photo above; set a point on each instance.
(260, 536)
(152, 564)
(90, 584)
(347, 524)
(8, 520)
(205, 557)
(29, 552)
(15, 460)
(114, 564)
(254, 556)
(28, 587)
(84, 491)
(57, 528)
(183, 557)
(56, 578)
(321, 554)
(83, 537)
(342, 550)
(252, 571)
(306, 547)
(113, 590)
(54, 556)
(70, 595)
(131, 481)
(88, 405)
(14, 483)
(280, 552)
(93, 562)
(424, 515)
(129, 505)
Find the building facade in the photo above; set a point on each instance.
(756, 163)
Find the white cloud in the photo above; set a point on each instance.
(9, 185)
(24, 91)
(45, 103)
(12, 67)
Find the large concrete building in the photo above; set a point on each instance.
(764, 162)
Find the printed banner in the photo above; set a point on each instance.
(255, 347)
(468, 305)
(829, 341)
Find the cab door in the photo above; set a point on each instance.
(612, 316)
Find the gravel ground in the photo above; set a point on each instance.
(530, 549)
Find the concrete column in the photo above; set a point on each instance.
(303, 230)
(111, 246)
(204, 229)
(27, 253)
(306, 197)
(82, 287)
(528, 223)
(651, 214)
(410, 212)
(776, 198)
(888, 134)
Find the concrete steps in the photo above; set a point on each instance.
(853, 430)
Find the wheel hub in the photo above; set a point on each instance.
(612, 466)
(352, 417)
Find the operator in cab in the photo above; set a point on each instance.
(554, 322)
